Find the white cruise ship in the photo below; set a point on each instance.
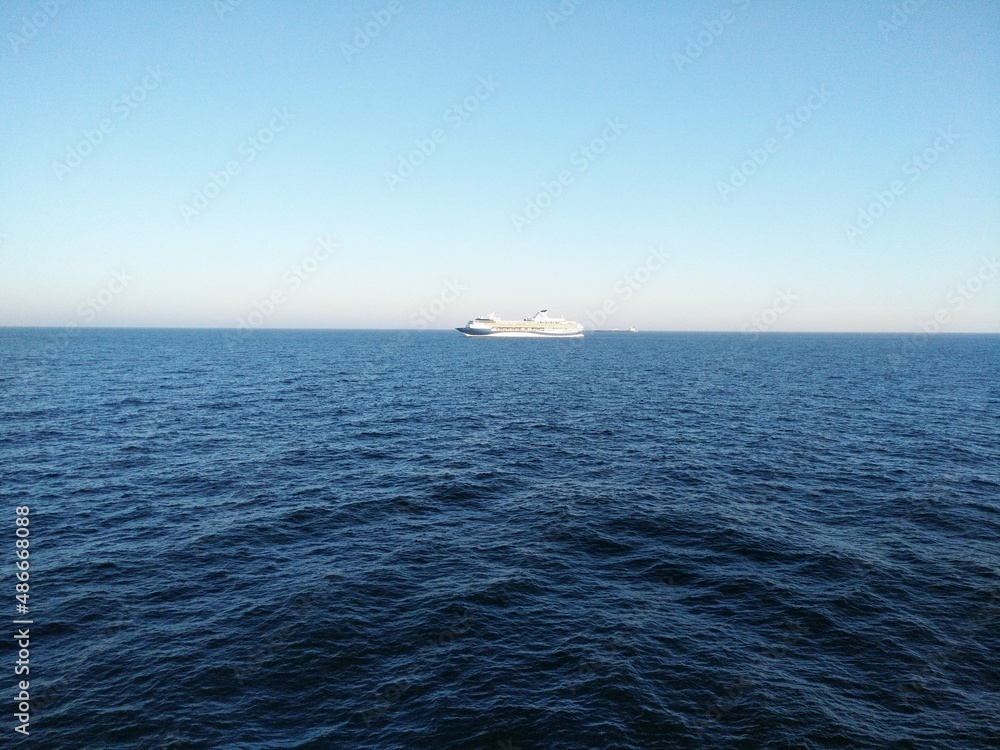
(538, 326)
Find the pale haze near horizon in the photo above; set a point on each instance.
(687, 166)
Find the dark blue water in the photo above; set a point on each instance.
(384, 540)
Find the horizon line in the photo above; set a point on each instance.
(444, 330)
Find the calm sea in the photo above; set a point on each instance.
(392, 540)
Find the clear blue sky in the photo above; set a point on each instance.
(888, 87)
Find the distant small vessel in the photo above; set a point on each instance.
(616, 330)
(540, 325)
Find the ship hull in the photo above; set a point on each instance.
(483, 333)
